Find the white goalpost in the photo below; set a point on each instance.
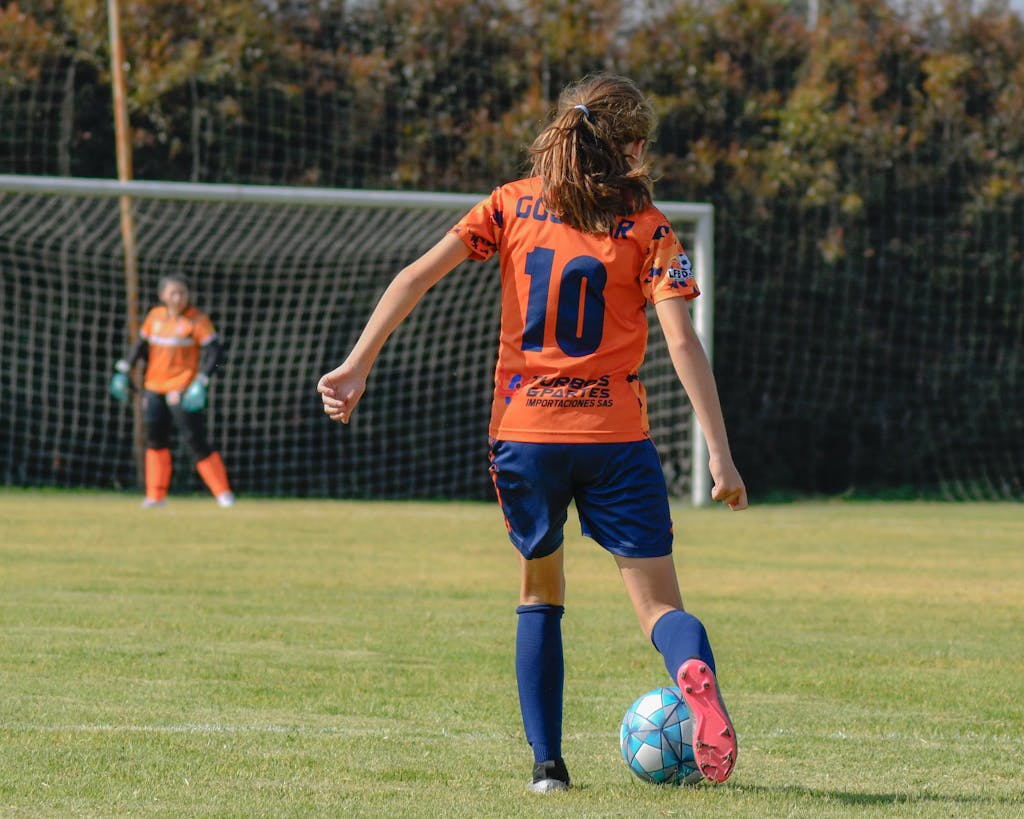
(288, 275)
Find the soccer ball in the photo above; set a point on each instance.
(657, 739)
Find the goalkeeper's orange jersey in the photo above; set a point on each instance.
(573, 316)
(174, 345)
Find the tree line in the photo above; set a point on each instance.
(867, 174)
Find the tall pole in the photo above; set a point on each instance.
(812, 15)
(704, 324)
(122, 138)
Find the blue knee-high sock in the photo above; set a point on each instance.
(540, 674)
(680, 636)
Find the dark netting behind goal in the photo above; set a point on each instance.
(289, 287)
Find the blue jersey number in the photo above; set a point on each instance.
(580, 321)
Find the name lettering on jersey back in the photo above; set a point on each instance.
(622, 229)
(530, 207)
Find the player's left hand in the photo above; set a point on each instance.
(340, 391)
(194, 398)
(728, 485)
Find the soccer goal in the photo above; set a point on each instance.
(289, 276)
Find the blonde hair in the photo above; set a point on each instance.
(586, 178)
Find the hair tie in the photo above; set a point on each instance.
(584, 109)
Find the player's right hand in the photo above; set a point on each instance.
(120, 386)
(340, 391)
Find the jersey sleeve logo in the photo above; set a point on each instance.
(680, 269)
(482, 247)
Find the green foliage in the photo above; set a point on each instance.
(870, 170)
(25, 43)
(424, 95)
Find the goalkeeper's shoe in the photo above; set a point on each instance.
(714, 738)
(549, 776)
(150, 503)
(194, 398)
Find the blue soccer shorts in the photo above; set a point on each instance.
(619, 489)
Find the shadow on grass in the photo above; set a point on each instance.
(976, 801)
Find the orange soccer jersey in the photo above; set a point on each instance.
(174, 345)
(574, 320)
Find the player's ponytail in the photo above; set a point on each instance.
(581, 159)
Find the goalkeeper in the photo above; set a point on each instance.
(181, 350)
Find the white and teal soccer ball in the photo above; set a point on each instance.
(657, 739)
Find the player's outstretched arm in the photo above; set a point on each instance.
(694, 371)
(341, 388)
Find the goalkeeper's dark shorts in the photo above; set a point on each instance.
(161, 419)
(619, 489)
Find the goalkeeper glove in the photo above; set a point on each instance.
(194, 398)
(119, 383)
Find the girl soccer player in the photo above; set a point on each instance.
(582, 251)
(181, 349)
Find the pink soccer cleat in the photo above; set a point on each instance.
(714, 738)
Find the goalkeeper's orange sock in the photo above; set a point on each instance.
(215, 476)
(158, 474)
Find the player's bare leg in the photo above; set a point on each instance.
(652, 586)
(654, 590)
(542, 580)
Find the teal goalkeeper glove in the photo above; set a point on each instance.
(120, 386)
(194, 398)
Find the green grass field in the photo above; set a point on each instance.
(354, 659)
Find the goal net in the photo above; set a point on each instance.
(289, 276)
